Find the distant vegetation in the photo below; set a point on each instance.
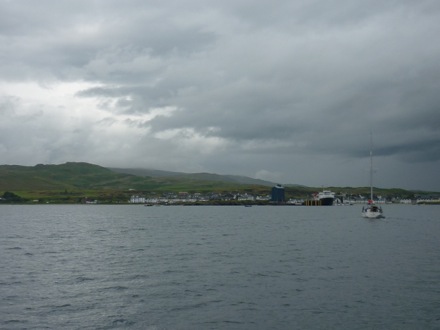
(76, 182)
(79, 182)
(9, 197)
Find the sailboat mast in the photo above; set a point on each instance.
(371, 166)
(371, 175)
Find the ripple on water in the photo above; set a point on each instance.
(212, 268)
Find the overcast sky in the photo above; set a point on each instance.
(282, 90)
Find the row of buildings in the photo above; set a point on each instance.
(184, 197)
(277, 196)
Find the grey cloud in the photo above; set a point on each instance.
(301, 81)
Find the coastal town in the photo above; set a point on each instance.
(276, 196)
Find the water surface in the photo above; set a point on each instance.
(218, 267)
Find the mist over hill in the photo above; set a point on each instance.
(193, 176)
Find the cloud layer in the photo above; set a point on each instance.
(287, 91)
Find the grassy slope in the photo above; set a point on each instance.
(73, 180)
(233, 179)
(54, 177)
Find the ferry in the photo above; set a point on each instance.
(326, 197)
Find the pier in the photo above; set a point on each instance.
(313, 202)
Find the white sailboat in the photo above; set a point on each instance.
(372, 211)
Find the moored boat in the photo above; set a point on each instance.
(372, 211)
(326, 197)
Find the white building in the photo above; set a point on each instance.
(137, 199)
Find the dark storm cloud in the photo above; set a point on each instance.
(236, 80)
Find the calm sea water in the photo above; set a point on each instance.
(208, 267)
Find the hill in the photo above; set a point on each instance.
(194, 176)
(71, 182)
(66, 176)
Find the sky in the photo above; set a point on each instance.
(287, 91)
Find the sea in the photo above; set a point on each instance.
(218, 267)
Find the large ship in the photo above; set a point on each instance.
(325, 197)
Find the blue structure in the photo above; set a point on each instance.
(277, 195)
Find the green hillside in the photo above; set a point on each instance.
(72, 176)
(66, 176)
(236, 179)
(71, 181)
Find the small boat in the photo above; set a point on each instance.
(372, 211)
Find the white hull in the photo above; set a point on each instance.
(372, 215)
(372, 212)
